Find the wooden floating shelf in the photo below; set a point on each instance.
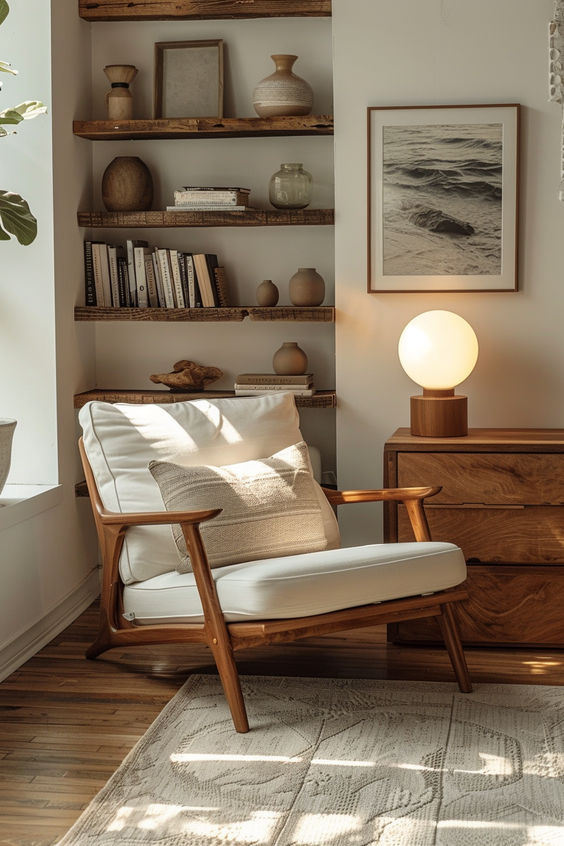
(164, 219)
(132, 130)
(151, 10)
(317, 314)
(321, 399)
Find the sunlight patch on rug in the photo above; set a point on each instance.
(341, 762)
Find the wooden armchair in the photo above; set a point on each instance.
(393, 582)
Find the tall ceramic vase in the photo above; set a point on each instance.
(119, 101)
(127, 185)
(7, 427)
(283, 93)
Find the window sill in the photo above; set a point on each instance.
(21, 502)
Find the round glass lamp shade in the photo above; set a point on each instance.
(438, 349)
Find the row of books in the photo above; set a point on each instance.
(249, 384)
(138, 276)
(193, 198)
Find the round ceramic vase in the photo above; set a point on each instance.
(307, 287)
(127, 185)
(283, 93)
(289, 360)
(267, 293)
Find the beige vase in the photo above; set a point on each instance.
(283, 93)
(307, 287)
(127, 185)
(289, 360)
(267, 293)
(7, 427)
(119, 101)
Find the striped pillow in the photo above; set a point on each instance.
(270, 506)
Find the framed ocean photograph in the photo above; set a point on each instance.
(443, 188)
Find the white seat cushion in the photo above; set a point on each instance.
(302, 585)
(121, 439)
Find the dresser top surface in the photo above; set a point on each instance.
(486, 440)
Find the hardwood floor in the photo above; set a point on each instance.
(66, 723)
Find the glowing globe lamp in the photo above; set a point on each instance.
(438, 350)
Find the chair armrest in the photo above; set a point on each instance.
(412, 498)
(156, 518)
(379, 495)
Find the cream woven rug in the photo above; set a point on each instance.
(341, 762)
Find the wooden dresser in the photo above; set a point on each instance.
(502, 502)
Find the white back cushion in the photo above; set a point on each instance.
(121, 439)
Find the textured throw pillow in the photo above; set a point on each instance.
(270, 507)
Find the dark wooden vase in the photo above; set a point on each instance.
(127, 185)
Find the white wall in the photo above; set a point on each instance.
(48, 563)
(412, 52)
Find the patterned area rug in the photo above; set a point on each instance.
(341, 762)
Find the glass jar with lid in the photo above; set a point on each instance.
(290, 187)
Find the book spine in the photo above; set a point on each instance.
(140, 280)
(193, 295)
(97, 269)
(158, 279)
(151, 281)
(176, 280)
(204, 280)
(123, 281)
(131, 274)
(221, 287)
(105, 270)
(302, 380)
(114, 281)
(249, 390)
(183, 278)
(191, 207)
(89, 287)
(164, 268)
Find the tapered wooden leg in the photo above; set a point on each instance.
(230, 681)
(453, 644)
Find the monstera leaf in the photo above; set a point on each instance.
(4, 9)
(16, 219)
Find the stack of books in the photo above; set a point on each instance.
(249, 384)
(192, 198)
(138, 276)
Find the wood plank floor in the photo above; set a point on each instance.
(66, 723)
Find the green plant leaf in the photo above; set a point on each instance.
(4, 9)
(16, 218)
(6, 67)
(25, 111)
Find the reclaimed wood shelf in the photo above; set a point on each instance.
(154, 10)
(320, 399)
(164, 219)
(314, 314)
(171, 128)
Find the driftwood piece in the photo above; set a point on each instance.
(188, 376)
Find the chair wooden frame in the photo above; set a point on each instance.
(224, 638)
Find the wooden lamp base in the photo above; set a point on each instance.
(439, 414)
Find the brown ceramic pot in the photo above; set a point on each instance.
(289, 360)
(127, 185)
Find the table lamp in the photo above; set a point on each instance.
(438, 350)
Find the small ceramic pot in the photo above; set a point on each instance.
(307, 287)
(267, 293)
(289, 360)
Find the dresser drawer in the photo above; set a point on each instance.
(487, 478)
(505, 606)
(531, 535)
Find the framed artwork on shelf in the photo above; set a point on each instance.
(189, 79)
(443, 191)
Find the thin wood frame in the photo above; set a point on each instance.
(187, 107)
(443, 198)
(225, 638)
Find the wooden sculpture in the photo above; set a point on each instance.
(188, 376)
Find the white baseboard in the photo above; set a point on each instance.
(18, 651)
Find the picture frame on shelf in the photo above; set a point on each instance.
(188, 79)
(443, 198)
